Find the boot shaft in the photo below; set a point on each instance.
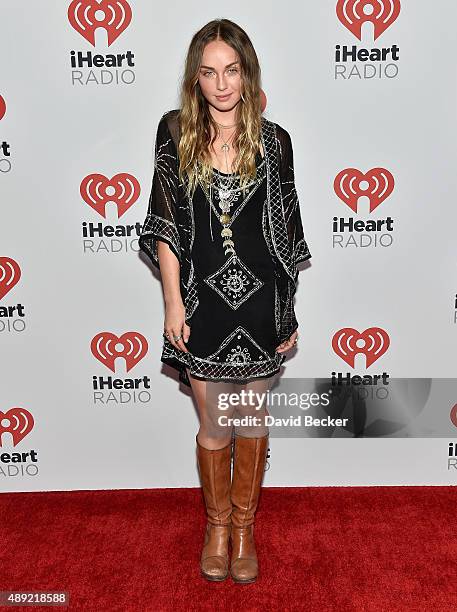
(215, 474)
(248, 471)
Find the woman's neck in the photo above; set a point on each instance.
(224, 117)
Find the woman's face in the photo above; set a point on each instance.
(220, 76)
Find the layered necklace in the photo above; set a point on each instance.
(227, 188)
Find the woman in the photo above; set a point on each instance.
(224, 228)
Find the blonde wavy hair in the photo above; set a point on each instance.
(195, 118)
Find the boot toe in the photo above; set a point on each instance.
(215, 568)
(244, 570)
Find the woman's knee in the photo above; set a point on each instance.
(213, 442)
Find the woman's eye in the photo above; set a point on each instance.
(207, 73)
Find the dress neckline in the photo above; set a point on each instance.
(259, 160)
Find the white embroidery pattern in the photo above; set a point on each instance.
(234, 282)
(157, 226)
(277, 310)
(231, 346)
(221, 364)
(239, 355)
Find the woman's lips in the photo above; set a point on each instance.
(222, 98)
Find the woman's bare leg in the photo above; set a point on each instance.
(211, 398)
(254, 408)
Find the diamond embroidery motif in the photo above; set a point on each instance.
(238, 348)
(234, 282)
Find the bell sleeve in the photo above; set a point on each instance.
(297, 242)
(161, 219)
(298, 247)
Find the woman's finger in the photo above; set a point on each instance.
(171, 337)
(179, 344)
(287, 344)
(186, 333)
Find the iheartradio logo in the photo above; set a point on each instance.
(16, 421)
(97, 190)
(353, 14)
(350, 185)
(131, 346)
(2, 107)
(376, 184)
(10, 273)
(114, 16)
(348, 342)
(354, 62)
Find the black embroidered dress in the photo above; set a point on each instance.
(238, 304)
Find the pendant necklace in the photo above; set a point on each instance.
(227, 195)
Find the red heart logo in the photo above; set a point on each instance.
(134, 347)
(348, 186)
(86, 16)
(2, 107)
(10, 273)
(382, 14)
(97, 190)
(20, 424)
(375, 342)
(453, 415)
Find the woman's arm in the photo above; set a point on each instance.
(170, 271)
(161, 219)
(174, 324)
(159, 237)
(298, 246)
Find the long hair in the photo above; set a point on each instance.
(195, 118)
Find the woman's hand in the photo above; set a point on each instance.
(287, 344)
(175, 325)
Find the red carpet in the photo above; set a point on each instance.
(327, 549)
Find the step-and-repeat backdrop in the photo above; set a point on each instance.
(368, 91)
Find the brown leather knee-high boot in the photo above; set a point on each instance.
(248, 470)
(215, 473)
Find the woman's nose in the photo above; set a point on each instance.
(221, 82)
